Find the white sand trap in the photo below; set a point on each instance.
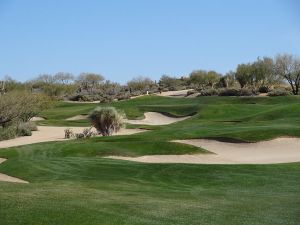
(78, 117)
(79, 102)
(178, 94)
(47, 133)
(6, 178)
(154, 118)
(36, 118)
(280, 150)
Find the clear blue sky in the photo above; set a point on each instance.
(123, 39)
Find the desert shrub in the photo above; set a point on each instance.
(24, 129)
(229, 92)
(123, 96)
(79, 135)
(209, 92)
(279, 92)
(68, 133)
(87, 132)
(235, 92)
(85, 98)
(246, 92)
(18, 107)
(191, 92)
(8, 133)
(106, 120)
(264, 89)
(107, 99)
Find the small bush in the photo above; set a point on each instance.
(236, 92)
(24, 129)
(229, 92)
(106, 120)
(107, 99)
(68, 133)
(123, 96)
(209, 92)
(85, 98)
(8, 133)
(32, 126)
(246, 92)
(279, 92)
(87, 132)
(191, 92)
(263, 89)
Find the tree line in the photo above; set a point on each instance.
(262, 75)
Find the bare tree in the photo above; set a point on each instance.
(141, 84)
(63, 78)
(88, 81)
(288, 67)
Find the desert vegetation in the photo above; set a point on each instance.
(73, 176)
(17, 108)
(106, 120)
(277, 76)
(85, 172)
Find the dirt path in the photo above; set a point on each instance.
(6, 178)
(280, 150)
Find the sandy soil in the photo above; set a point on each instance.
(6, 178)
(154, 118)
(181, 93)
(47, 133)
(94, 102)
(78, 117)
(36, 118)
(280, 150)
(151, 118)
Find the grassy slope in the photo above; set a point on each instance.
(248, 119)
(69, 185)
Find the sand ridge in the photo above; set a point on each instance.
(279, 150)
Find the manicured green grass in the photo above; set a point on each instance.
(70, 182)
(245, 118)
(89, 190)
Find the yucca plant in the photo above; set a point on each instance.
(106, 120)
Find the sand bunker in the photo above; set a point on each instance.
(47, 133)
(6, 178)
(178, 94)
(280, 150)
(78, 117)
(154, 118)
(79, 102)
(36, 118)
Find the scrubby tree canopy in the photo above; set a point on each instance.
(288, 67)
(141, 84)
(201, 79)
(172, 83)
(244, 75)
(88, 81)
(21, 106)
